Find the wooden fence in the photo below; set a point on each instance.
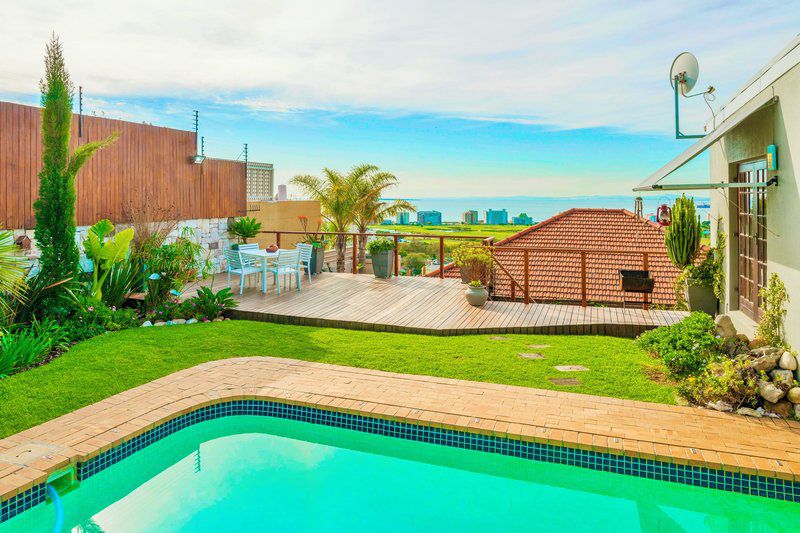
(147, 165)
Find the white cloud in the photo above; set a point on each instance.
(534, 62)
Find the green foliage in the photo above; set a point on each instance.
(123, 278)
(380, 244)
(27, 345)
(475, 283)
(685, 347)
(55, 206)
(682, 237)
(244, 228)
(732, 381)
(170, 267)
(415, 262)
(475, 262)
(105, 254)
(166, 310)
(208, 305)
(774, 298)
(12, 274)
(90, 319)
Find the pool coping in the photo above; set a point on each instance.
(727, 443)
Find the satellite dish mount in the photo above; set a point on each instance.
(683, 77)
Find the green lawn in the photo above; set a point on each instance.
(477, 230)
(112, 363)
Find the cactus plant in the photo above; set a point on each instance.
(682, 237)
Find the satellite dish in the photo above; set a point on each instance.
(686, 69)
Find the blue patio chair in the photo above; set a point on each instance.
(242, 267)
(306, 250)
(243, 247)
(287, 263)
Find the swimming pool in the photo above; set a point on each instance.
(247, 473)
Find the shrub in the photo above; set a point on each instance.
(732, 381)
(774, 296)
(27, 345)
(686, 347)
(682, 237)
(166, 310)
(475, 262)
(90, 319)
(208, 305)
(380, 244)
(415, 262)
(105, 254)
(244, 228)
(171, 267)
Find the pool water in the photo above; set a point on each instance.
(249, 473)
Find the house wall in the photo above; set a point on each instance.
(780, 125)
(283, 216)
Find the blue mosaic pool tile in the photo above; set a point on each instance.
(22, 502)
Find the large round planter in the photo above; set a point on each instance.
(476, 296)
(383, 263)
(317, 260)
(701, 298)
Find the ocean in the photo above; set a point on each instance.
(541, 208)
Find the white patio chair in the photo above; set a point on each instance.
(287, 263)
(306, 250)
(243, 247)
(242, 267)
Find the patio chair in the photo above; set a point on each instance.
(242, 267)
(243, 247)
(288, 262)
(306, 250)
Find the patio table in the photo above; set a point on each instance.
(265, 258)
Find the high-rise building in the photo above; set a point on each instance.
(495, 216)
(469, 217)
(522, 220)
(433, 218)
(404, 218)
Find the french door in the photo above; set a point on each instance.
(752, 208)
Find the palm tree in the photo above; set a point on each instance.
(368, 186)
(334, 192)
(12, 273)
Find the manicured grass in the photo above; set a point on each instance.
(112, 363)
(479, 230)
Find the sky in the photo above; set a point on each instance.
(456, 98)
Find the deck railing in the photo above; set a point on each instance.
(506, 258)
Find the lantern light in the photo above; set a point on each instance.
(664, 215)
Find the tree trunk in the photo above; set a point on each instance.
(362, 249)
(341, 248)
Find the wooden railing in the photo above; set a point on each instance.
(520, 286)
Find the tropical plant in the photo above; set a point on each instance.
(55, 206)
(685, 347)
(380, 244)
(475, 283)
(105, 254)
(682, 236)
(208, 305)
(335, 194)
(170, 267)
(369, 186)
(774, 298)
(244, 228)
(314, 238)
(12, 274)
(27, 345)
(474, 262)
(123, 279)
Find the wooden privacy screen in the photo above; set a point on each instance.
(147, 164)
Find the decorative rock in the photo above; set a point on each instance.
(746, 411)
(146, 324)
(765, 363)
(765, 350)
(226, 319)
(725, 407)
(169, 322)
(179, 321)
(571, 368)
(797, 411)
(757, 343)
(793, 395)
(782, 378)
(191, 321)
(788, 361)
(160, 323)
(531, 355)
(769, 391)
(725, 327)
(782, 408)
(217, 319)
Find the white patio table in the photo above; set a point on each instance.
(265, 258)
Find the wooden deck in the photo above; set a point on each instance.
(431, 306)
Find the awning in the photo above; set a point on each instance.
(651, 184)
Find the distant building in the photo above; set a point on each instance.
(433, 218)
(522, 220)
(494, 216)
(387, 222)
(404, 218)
(469, 217)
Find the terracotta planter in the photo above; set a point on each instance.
(476, 296)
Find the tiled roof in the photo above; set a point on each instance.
(556, 275)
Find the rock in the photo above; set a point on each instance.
(782, 378)
(769, 391)
(169, 322)
(783, 408)
(746, 411)
(741, 337)
(191, 321)
(725, 407)
(217, 319)
(160, 323)
(146, 324)
(797, 412)
(793, 395)
(757, 343)
(765, 350)
(788, 361)
(725, 327)
(179, 321)
(765, 363)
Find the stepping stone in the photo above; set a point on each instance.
(531, 355)
(538, 346)
(498, 338)
(564, 381)
(571, 368)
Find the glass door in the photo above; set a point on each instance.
(752, 237)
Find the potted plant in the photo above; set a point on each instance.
(476, 293)
(474, 262)
(244, 228)
(699, 289)
(381, 250)
(317, 241)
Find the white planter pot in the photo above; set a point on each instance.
(476, 296)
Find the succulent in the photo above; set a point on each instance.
(682, 237)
